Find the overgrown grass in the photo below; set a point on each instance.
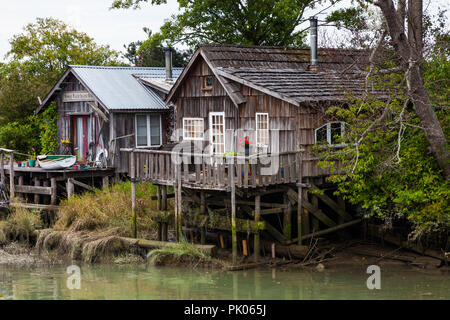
(109, 208)
(180, 253)
(19, 225)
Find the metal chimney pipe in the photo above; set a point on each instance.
(313, 40)
(168, 53)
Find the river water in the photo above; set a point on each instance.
(150, 282)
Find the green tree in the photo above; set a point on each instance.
(150, 53)
(37, 58)
(251, 22)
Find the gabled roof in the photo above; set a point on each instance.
(282, 72)
(116, 88)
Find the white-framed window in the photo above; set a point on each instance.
(148, 130)
(193, 129)
(217, 132)
(331, 133)
(65, 124)
(262, 129)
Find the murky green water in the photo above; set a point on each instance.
(140, 282)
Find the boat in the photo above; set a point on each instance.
(56, 162)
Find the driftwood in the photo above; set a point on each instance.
(208, 249)
(290, 252)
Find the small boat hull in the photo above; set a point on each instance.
(56, 162)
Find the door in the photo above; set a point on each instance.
(217, 132)
(81, 136)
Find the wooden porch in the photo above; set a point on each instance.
(214, 172)
(41, 189)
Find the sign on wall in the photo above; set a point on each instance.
(74, 96)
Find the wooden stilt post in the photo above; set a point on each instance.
(45, 199)
(105, 182)
(164, 231)
(299, 212)
(12, 189)
(53, 186)
(315, 221)
(37, 183)
(70, 188)
(158, 197)
(164, 198)
(233, 215)
(133, 195)
(20, 183)
(2, 169)
(203, 212)
(257, 248)
(179, 204)
(160, 231)
(305, 217)
(175, 190)
(287, 218)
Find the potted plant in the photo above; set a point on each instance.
(32, 161)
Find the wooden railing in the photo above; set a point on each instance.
(213, 171)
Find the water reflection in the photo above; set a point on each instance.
(142, 282)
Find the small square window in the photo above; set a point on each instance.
(208, 82)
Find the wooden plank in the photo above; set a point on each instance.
(318, 214)
(37, 183)
(2, 169)
(233, 218)
(53, 187)
(33, 189)
(33, 206)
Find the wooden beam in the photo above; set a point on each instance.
(275, 233)
(233, 215)
(81, 184)
(2, 169)
(34, 189)
(33, 206)
(332, 204)
(327, 231)
(133, 196)
(270, 211)
(53, 187)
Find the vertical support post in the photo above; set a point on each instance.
(305, 217)
(2, 169)
(315, 221)
(164, 198)
(158, 197)
(233, 215)
(53, 186)
(203, 212)
(70, 188)
(175, 190)
(105, 182)
(180, 207)
(256, 236)
(160, 231)
(133, 195)
(287, 217)
(164, 231)
(37, 183)
(20, 183)
(299, 212)
(12, 189)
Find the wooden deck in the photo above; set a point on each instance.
(214, 172)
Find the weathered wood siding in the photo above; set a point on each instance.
(296, 125)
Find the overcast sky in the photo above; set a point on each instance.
(113, 27)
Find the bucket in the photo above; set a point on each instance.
(31, 163)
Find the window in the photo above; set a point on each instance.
(331, 133)
(262, 129)
(148, 130)
(193, 128)
(65, 132)
(217, 129)
(207, 82)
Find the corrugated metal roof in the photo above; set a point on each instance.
(118, 89)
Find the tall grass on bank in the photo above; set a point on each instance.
(109, 208)
(19, 225)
